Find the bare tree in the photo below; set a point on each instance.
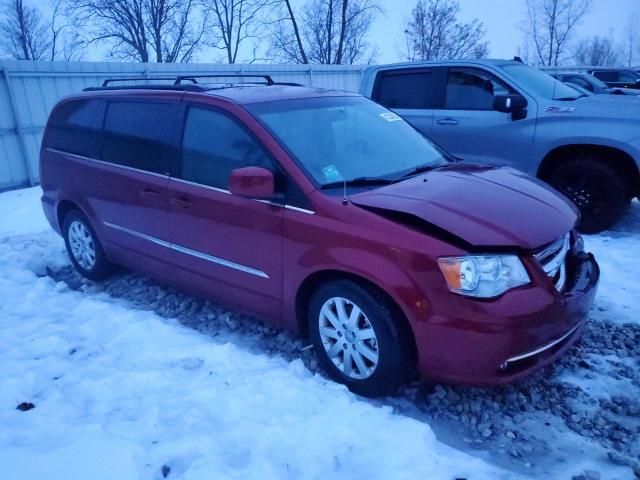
(325, 32)
(143, 30)
(434, 32)
(24, 34)
(550, 25)
(596, 51)
(237, 22)
(632, 35)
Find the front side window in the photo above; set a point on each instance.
(338, 139)
(75, 127)
(140, 135)
(473, 89)
(406, 89)
(213, 144)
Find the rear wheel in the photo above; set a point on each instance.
(597, 190)
(357, 339)
(84, 248)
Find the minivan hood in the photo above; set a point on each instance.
(482, 205)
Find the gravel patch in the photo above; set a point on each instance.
(513, 423)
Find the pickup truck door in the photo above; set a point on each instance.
(469, 127)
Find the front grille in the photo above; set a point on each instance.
(553, 260)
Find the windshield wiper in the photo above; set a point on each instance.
(424, 168)
(358, 182)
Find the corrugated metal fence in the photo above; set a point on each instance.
(28, 91)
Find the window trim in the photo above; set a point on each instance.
(473, 69)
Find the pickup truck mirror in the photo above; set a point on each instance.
(509, 103)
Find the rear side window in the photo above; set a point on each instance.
(213, 145)
(607, 76)
(75, 127)
(473, 89)
(408, 89)
(140, 135)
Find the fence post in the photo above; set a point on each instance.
(18, 128)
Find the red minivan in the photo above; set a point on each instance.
(324, 212)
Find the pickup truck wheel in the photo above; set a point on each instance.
(83, 247)
(596, 189)
(356, 338)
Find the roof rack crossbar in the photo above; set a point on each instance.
(193, 78)
(138, 79)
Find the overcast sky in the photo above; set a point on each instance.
(503, 20)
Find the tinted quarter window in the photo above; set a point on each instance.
(213, 145)
(75, 127)
(473, 89)
(409, 89)
(140, 135)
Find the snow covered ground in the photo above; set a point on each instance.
(131, 379)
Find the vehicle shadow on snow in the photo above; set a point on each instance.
(546, 419)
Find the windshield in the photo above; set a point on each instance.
(540, 83)
(337, 139)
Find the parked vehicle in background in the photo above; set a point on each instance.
(617, 78)
(580, 89)
(508, 113)
(591, 83)
(324, 212)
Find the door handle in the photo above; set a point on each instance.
(448, 121)
(182, 202)
(149, 192)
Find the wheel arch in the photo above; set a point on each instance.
(614, 157)
(315, 279)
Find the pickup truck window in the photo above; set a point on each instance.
(473, 89)
(540, 83)
(407, 88)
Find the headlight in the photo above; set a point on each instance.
(483, 276)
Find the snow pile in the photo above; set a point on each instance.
(122, 393)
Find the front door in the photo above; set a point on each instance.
(228, 246)
(470, 128)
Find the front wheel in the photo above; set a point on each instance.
(84, 248)
(597, 190)
(357, 339)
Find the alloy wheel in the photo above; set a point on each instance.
(348, 338)
(82, 246)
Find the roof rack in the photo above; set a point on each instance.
(179, 83)
(140, 79)
(194, 78)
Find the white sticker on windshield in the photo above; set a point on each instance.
(390, 116)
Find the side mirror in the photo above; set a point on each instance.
(252, 182)
(509, 103)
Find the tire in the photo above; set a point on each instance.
(596, 189)
(379, 334)
(84, 248)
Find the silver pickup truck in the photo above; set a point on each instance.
(507, 113)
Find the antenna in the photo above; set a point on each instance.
(345, 200)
